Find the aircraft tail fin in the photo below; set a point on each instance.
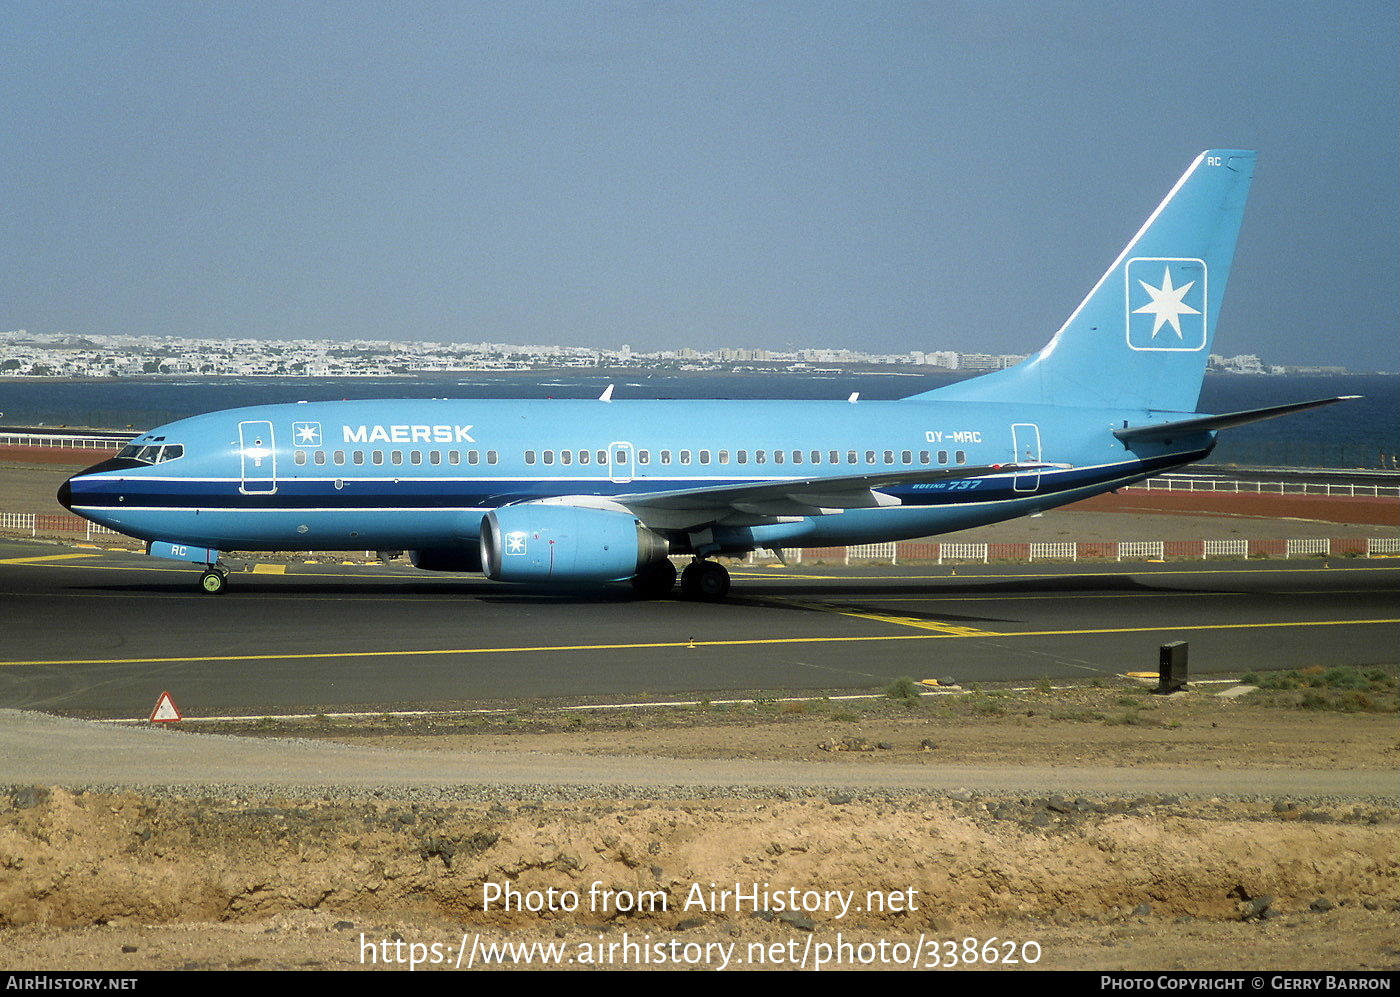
(1142, 336)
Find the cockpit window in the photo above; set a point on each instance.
(152, 453)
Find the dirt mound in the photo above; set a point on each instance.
(92, 859)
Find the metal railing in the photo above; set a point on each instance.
(1186, 484)
(921, 551)
(913, 552)
(59, 442)
(47, 524)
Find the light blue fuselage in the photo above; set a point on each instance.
(329, 493)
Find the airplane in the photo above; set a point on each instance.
(609, 490)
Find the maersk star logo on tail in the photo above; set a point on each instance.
(1166, 304)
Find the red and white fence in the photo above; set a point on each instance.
(1193, 484)
(924, 552)
(58, 441)
(46, 524)
(1086, 550)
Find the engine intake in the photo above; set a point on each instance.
(562, 543)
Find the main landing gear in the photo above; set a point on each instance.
(214, 580)
(655, 580)
(704, 581)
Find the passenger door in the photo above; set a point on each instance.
(258, 454)
(623, 461)
(1025, 444)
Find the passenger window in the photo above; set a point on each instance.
(473, 456)
(665, 456)
(529, 456)
(620, 457)
(320, 456)
(923, 456)
(833, 457)
(549, 456)
(685, 456)
(889, 456)
(434, 457)
(704, 456)
(602, 456)
(743, 456)
(962, 456)
(415, 456)
(301, 457)
(760, 456)
(907, 457)
(724, 456)
(340, 457)
(566, 456)
(797, 456)
(943, 456)
(777, 456)
(851, 457)
(643, 456)
(396, 456)
(453, 457)
(583, 457)
(816, 456)
(377, 457)
(358, 456)
(492, 457)
(870, 456)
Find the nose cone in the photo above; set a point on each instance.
(65, 494)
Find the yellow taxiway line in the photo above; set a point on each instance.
(862, 613)
(37, 560)
(664, 645)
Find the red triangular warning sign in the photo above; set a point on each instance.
(165, 710)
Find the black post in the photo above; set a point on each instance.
(1171, 667)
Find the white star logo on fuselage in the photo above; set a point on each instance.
(1166, 304)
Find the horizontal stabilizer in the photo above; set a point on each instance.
(1210, 423)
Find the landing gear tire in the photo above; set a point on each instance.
(705, 581)
(213, 582)
(655, 581)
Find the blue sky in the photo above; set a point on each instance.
(882, 176)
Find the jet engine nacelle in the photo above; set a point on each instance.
(563, 543)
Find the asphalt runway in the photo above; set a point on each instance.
(100, 633)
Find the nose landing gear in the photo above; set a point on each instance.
(213, 581)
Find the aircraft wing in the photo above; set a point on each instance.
(767, 501)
